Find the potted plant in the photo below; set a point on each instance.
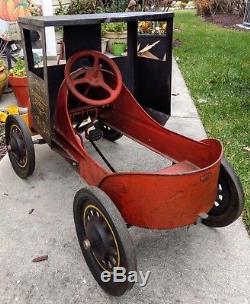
(19, 83)
(104, 44)
(104, 40)
(118, 48)
(3, 77)
(115, 32)
(152, 37)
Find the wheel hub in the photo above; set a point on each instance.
(100, 239)
(16, 145)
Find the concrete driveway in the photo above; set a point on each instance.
(188, 265)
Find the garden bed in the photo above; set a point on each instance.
(215, 63)
(228, 21)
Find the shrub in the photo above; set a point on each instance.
(115, 27)
(211, 7)
(203, 7)
(90, 7)
(19, 69)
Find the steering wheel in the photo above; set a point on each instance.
(96, 76)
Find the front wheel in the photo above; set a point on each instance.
(229, 203)
(103, 238)
(20, 146)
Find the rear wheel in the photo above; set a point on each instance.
(229, 203)
(20, 146)
(103, 238)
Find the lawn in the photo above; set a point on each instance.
(215, 63)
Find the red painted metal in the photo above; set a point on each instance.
(71, 143)
(171, 197)
(94, 77)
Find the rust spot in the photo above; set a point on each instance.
(205, 177)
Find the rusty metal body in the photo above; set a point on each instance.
(184, 190)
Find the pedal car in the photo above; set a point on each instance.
(93, 96)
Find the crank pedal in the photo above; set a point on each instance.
(95, 134)
(39, 141)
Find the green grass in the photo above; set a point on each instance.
(215, 63)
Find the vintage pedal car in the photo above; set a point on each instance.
(93, 95)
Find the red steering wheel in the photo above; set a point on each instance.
(104, 74)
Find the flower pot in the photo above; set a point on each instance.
(118, 48)
(104, 44)
(115, 37)
(20, 88)
(3, 80)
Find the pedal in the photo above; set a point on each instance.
(39, 141)
(95, 134)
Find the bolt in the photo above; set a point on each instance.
(86, 244)
(203, 215)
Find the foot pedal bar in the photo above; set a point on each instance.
(100, 153)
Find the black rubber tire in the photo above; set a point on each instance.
(90, 196)
(231, 201)
(29, 167)
(109, 133)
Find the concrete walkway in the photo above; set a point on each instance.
(195, 265)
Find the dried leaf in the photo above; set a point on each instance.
(149, 55)
(131, 3)
(246, 149)
(40, 258)
(148, 47)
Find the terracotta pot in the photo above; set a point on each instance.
(20, 88)
(115, 37)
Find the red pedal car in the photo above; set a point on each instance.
(94, 96)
